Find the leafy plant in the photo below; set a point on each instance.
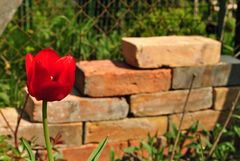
(4, 98)
(63, 32)
(171, 21)
(75, 30)
(152, 150)
(8, 152)
(27, 146)
(194, 144)
(97, 152)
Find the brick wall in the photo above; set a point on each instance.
(126, 101)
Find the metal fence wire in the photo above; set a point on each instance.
(83, 27)
(92, 29)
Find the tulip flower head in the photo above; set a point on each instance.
(49, 77)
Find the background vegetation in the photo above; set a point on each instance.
(93, 29)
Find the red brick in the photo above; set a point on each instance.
(154, 52)
(82, 153)
(76, 109)
(224, 73)
(71, 132)
(109, 78)
(224, 97)
(207, 119)
(170, 102)
(127, 129)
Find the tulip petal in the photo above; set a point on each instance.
(29, 62)
(53, 91)
(49, 77)
(64, 70)
(29, 68)
(47, 57)
(40, 77)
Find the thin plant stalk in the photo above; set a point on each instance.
(19, 120)
(6, 121)
(222, 19)
(181, 121)
(46, 132)
(234, 105)
(237, 32)
(15, 133)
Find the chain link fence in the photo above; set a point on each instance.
(74, 26)
(91, 29)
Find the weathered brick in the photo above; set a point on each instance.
(71, 132)
(81, 153)
(224, 97)
(222, 74)
(109, 78)
(127, 129)
(154, 52)
(206, 118)
(75, 109)
(170, 102)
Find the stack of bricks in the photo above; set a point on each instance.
(144, 94)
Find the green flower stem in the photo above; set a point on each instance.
(45, 130)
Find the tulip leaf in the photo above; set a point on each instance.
(97, 152)
(28, 148)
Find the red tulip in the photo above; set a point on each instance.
(49, 77)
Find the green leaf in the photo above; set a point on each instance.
(172, 133)
(28, 148)
(236, 116)
(5, 158)
(204, 131)
(57, 156)
(228, 47)
(148, 147)
(112, 155)
(131, 149)
(194, 145)
(4, 87)
(4, 97)
(193, 129)
(97, 152)
(237, 130)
